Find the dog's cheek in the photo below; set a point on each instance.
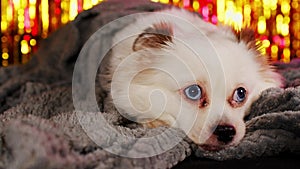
(240, 132)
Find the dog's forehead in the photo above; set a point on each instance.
(218, 57)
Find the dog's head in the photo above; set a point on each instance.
(166, 82)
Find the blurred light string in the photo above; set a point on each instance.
(276, 22)
(25, 22)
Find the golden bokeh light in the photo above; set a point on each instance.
(276, 22)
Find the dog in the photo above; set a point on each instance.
(171, 68)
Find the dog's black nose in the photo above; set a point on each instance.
(225, 133)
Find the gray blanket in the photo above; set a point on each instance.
(40, 129)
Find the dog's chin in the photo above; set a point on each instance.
(213, 146)
(209, 147)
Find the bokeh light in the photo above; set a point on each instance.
(25, 22)
(276, 22)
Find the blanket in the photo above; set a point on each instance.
(40, 128)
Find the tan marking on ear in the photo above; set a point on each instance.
(247, 36)
(156, 123)
(156, 36)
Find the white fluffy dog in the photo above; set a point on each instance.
(170, 68)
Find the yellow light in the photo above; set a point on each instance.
(4, 26)
(221, 10)
(73, 9)
(9, 13)
(279, 22)
(247, 15)
(32, 2)
(87, 4)
(155, 0)
(274, 52)
(285, 7)
(25, 49)
(286, 19)
(286, 55)
(17, 4)
(274, 49)
(247, 10)
(238, 21)
(94, 2)
(279, 18)
(263, 51)
(164, 1)
(284, 29)
(65, 9)
(4, 16)
(267, 13)
(266, 43)
(273, 5)
(230, 4)
(23, 42)
(21, 18)
(32, 11)
(261, 25)
(266, 3)
(176, 1)
(229, 13)
(233, 14)
(23, 4)
(45, 15)
(32, 42)
(5, 56)
(64, 19)
(64, 5)
(196, 5)
(21, 25)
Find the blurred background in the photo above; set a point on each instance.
(24, 23)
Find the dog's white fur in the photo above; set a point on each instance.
(148, 79)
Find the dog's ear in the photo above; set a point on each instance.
(157, 36)
(247, 36)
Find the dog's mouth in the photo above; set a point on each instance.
(222, 137)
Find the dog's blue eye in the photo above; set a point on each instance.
(239, 94)
(193, 92)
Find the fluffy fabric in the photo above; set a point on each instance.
(39, 128)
